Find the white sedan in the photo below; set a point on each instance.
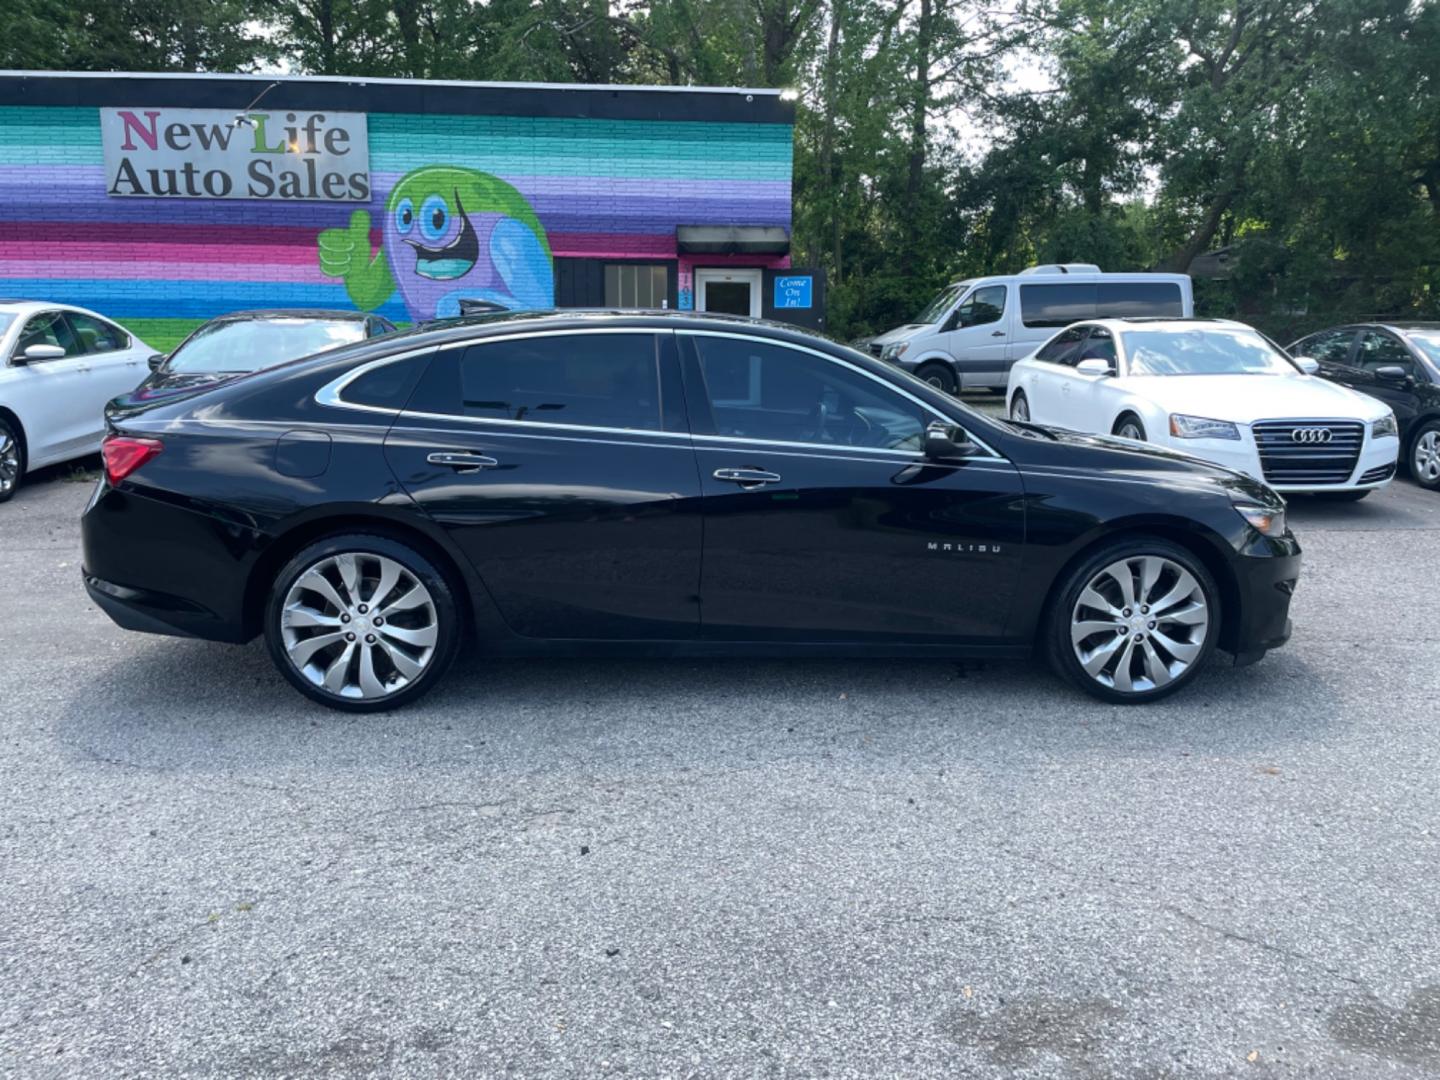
(1214, 389)
(61, 364)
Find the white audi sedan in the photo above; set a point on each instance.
(59, 365)
(1214, 389)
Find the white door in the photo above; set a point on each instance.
(729, 292)
(978, 338)
(116, 359)
(53, 397)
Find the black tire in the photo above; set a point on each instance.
(1065, 609)
(938, 375)
(1428, 478)
(369, 547)
(1022, 402)
(12, 458)
(1129, 419)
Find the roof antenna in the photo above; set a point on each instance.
(242, 118)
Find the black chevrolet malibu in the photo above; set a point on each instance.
(663, 484)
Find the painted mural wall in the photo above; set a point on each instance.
(461, 207)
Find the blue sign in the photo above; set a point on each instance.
(794, 292)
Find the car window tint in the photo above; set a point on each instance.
(1379, 350)
(1100, 345)
(1139, 299)
(593, 380)
(761, 390)
(1057, 305)
(387, 386)
(97, 335)
(1328, 346)
(984, 306)
(1063, 348)
(49, 328)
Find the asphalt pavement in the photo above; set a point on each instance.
(728, 868)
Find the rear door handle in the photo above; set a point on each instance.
(461, 460)
(747, 478)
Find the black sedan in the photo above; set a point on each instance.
(664, 484)
(1399, 363)
(245, 341)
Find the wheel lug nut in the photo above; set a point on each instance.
(378, 621)
(1144, 610)
(1152, 624)
(349, 637)
(1127, 613)
(344, 618)
(363, 609)
(1139, 637)
(370, 639)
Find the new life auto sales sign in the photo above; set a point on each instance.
(206, 154)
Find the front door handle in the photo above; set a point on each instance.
(462, 461)
(747, 478)
(997, 333)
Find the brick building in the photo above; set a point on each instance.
(164, 200)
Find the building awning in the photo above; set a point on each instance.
(732, 240)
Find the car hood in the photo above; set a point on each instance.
(1245, 399)
(900, 333)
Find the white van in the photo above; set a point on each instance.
(969, 335)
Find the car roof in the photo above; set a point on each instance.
(1161, 323)
(347, 314)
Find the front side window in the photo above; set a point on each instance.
(233, 346)
(1212, 351)
(761, 390)
(589, 380)
(1427, 341)
(1379, 350)
(983, 306)
(1063, 348)
(97, 335)
(634, 285)
(49, 328)
(1328, 346)
(1100, 345)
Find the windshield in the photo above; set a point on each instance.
(250, 344)
(1427, 341)
(941, 304)
(1209, 351)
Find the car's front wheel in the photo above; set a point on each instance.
(1020, 407)
(939, 376)
(1129, 426)
(1135, 621)
(12, 459)
(1425, 456)
(361, 622)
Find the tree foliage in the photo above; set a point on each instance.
(1301, 136)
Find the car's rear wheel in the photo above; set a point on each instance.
(12, 459)
(938, 376)
(1020, 407)
(1135, 621)
(1130, 427)
(362, 623)
(1425, 456)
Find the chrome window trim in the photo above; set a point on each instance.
(845, 364)
(329, 394)
(546, 425)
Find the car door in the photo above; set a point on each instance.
(1378, 349)
(823, 522)
(561, 465)
(1055, 379)
(977, 338)
(53, 396)
(1092, 401)
(1331, 349)
(116, 364)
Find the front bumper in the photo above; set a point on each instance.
(1374, 468)
(1265, 585)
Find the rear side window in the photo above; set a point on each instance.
(1139, 300)
(591, 380)
(1061, 305)
(387, 386)
(97, 335)
(1328, 347)
(1064, 349)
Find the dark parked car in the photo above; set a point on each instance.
(245, 341)
(1399, 363)
(664, 484)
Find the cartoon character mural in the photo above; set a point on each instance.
(450, 234)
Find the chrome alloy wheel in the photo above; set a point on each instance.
(1425, 458)
(359, 625)
(1020, 409)
(1139, 623)
(1130, 429)
(9, 462)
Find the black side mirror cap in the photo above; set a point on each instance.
(1391, 373)
(946, 443)
(156, 359)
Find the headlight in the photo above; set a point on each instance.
(1385, 426)
(1267, 521)
(894, 352)
(1199, 427)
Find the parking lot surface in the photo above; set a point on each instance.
(730, 868)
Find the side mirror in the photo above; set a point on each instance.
(1391, 373)
(1308, 364)
(1094, 366)
(156, 359)
(41, 352)
(952, 322)
(946, 443)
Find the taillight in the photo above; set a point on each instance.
(124, 454)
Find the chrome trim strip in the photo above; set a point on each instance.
(679, 332)
(806, 445)
(440, 429)
(546, 426)
(329, 394)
